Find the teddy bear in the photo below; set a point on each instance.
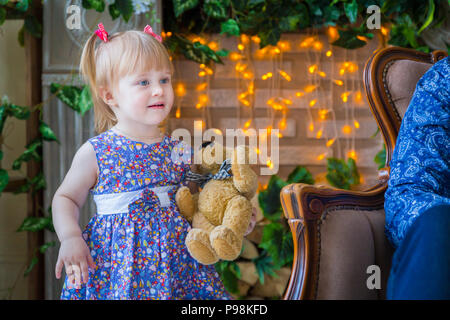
(221, 211)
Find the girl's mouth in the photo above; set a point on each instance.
(157, 106)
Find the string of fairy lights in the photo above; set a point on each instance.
(318, 93)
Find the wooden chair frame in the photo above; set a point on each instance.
(304, 205)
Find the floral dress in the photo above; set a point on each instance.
(137, 236)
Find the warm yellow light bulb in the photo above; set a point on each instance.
(245, 39)
(241, 46)
(356, 123)
(203, 98)
(332, 33)
(351, 154)
(285, 75)
(347, 129)
(329, 53)
(202, 86)
(287, 101)
(311, 126)
(330, 142)
(323, 114)
(339, 82)
(299, 94)
(312, 68)
(319, 134)
(318, 45)
(321, 156)
(256, 39)
(312, 102)
(322, 74)
(282, 124)
(213, 45)
(202, 74)
(247, 124)
(310, 88)
(177, 113)
(180, 90)
(235, 56)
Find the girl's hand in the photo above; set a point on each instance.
(74, 254)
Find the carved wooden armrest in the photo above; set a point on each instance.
(303, 206)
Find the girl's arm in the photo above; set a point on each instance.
(66, 205)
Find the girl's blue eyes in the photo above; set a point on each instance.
(146, 82)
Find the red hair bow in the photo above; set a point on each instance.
(101, 32)
(149, 31)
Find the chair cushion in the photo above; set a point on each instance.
(350, 241)
(401, 79)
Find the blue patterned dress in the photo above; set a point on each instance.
(420, 166)
(137, 236)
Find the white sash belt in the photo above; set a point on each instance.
(110, 203)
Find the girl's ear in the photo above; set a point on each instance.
(107, 96)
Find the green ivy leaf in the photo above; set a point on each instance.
(113, 11)
(230, 27)
(47, 132)
(70, 95)
(180, 6)
(4, 179)
(347, 39)
(341, 174)
(125, 7)
(31, 152)
(278, 243)
(264, 265)
(18, 112)
(33, 26)
(2, 16)
(269, 37)
(22, 5)
(1, 155)
(3, 2)
(97, 5)
(351, 10)
(21, 36)
(227, 272)
(85, 101)
(3, 116)
(300, 175)
(34, 224)
(289, 23)
(46, 246)
(34, 261)
(222, 52)
(269, 199)
(380, 157)
(216, 9)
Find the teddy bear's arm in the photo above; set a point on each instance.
(244, 178)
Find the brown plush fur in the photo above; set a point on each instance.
(220, 213)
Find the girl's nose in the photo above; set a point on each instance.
(157, 90)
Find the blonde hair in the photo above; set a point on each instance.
(124, 53)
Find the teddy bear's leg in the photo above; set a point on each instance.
(197, 240)
(185, 202)
(226, 239)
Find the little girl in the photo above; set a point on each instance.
(133, 248)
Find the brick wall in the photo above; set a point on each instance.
(298, 145)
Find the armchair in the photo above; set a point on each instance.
(337, 233)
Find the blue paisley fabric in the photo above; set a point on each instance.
(420, 168)
(141, 254)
